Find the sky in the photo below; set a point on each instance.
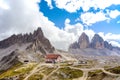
(62, 21)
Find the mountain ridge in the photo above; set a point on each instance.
(27, 38)
(31, 47)
(97, 43)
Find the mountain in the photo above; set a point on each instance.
(97, 42)
(9, 60)
(97, 46)
(82, 43)
(24, 47)
(28, 38)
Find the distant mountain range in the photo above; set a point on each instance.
(97, 46)
(33, 46)
(24, 47)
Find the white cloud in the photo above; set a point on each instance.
(102, 35)
(77, 28)
(68, 5)
(118, 22)
(90, 18)
(114, 13)
(49, 2)
(24, 16)
(3, 4)
(114, 43)
(74, 5)
(90, 33)
(111, 38)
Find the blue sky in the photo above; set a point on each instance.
(58, 16)
(62, 21)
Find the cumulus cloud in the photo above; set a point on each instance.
(114, 13)
(74, 5)
(21, 17)
(114, 43)
(62, 38)
(77, 28)
(24, 16)
(90, 18)
(49, 3)
(90, 33)
(3, 5)
(111, 38)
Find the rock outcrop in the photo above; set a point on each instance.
(74, 45)
(83, 41)
(8, 61)
(40, 43)
(97, 42)
(108, 46)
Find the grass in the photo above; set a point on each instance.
(9, 72)
(67, 73)
(36, 76)
(17, 70)
(83, 66)
(115, 70)
(47, 70)
(99, 76)
(106, 67)
(94, 73)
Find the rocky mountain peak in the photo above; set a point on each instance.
(97, 38)
(97, 42)
(83, 41)
(74, 45)
(37, 38)
(38, 33)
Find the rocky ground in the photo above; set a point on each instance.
(70, 69)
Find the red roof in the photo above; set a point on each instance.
(52, 56)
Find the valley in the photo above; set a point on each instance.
(69, 69)
(32, 57)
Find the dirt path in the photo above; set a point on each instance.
(36, 70)
(84, 77)
(45, 78)
(109, 73)
(85, 73)
(33, 71)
